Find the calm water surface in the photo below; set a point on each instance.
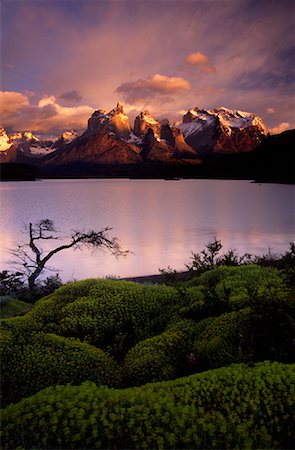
(160, 221)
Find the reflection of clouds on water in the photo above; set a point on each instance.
(161, 222)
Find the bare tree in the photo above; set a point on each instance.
(31, 259)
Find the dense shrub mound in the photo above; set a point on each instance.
(162, 357)
(111, 315)
(31, 364)
(10, 307)
(232, 288)
(99, 330)
(234, 407)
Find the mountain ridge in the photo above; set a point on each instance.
(197, 145)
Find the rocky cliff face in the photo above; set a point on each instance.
(114, 121)
(222, 131)
(5, 141)
(101, 148)
(109, 139)
(143, 122)
(22, 146)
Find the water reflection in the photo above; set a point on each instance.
(160, 221)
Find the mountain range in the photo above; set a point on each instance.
(110, 146)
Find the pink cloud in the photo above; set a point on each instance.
(154, 86)
(201, 61)
(197, 58)
(11, 102)
(47, 116)
(280, 128)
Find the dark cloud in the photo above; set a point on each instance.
(154, 86)
(71, 96)
(18, 114)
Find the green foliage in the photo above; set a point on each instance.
(233, 288)
(112, 315)
(226, 340)
(33, 363)
(11, 307)
(12, 284)
(233, 407)
(206, 259)
(234, 314)
(162, 357)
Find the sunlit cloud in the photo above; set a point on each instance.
(110, 51)
(47, 116)
(154, 86)
(270, 110)
(208, 69)
(201, 61)
(197, 58)
(280, 128)
(11, 102)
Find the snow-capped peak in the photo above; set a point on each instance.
(68, 136)
(115, 120)
(143, 122)
(222, 129)
(5, 142)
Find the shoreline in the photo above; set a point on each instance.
(157, 278)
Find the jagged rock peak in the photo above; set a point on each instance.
(143, 122)
(5, 141)
(119, 109)
(114, 121)
(222, 130)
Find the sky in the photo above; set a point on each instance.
(63, 59)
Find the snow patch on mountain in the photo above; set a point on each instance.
(115, 121)
(143, 122)
(5, 142)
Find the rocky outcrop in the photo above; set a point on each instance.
(181, 148)
(100, 148)
(143, 122)
(5, 141)
(222, 130)
(156, 150)
(114, 121)
(19, 147)
(109, 139)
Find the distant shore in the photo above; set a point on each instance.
(157, 279)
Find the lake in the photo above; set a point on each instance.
(161, 222)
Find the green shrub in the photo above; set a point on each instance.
(264, 331)
(232, 288)
(273, 330)
(111, 315)
(29, 365)
(162, 357)
(232, 407)
(226, 340)
(10, 307)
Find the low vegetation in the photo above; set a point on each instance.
(203, 363)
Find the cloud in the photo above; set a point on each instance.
(47, 116)
(11, 102)
(270, 110)
(56, 49)
(154, 86)
(280, 128)
(201, 61)
(197, 58)
(71, 96)
(208, 69)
